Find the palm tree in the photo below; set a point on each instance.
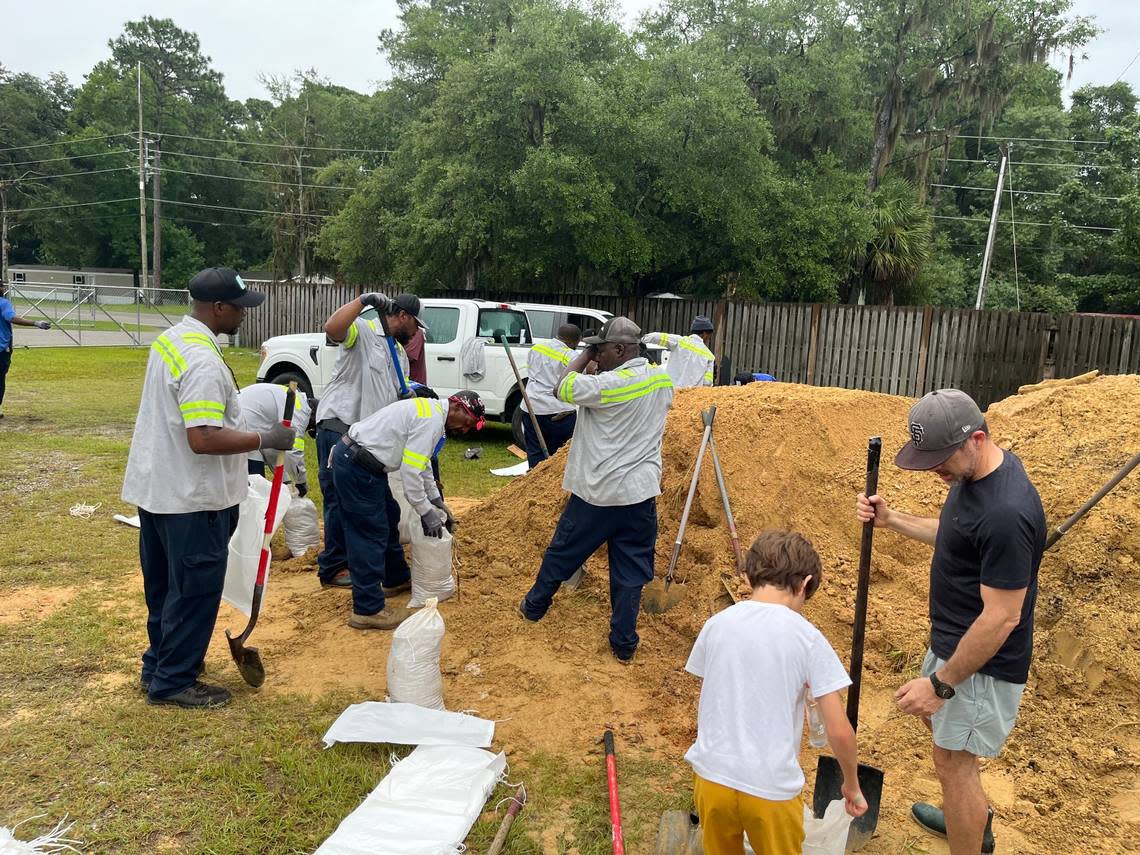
(899, 248)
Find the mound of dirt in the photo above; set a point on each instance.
(794, 458)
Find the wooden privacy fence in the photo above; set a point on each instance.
(900, 350)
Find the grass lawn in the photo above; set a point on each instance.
(76, 736)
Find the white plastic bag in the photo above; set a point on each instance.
(431, 567)
(408, 724)
(245, 545)
(302, 529)
(407, 515)
(827, 836)
(413, 662)
(425, 805)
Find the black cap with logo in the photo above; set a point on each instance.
(223, 285)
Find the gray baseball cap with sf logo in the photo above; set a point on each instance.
(939, 424)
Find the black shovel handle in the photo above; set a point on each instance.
(874, 452)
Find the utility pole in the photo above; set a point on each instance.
(156, 208)
(987, 257)
(300, 220)
(142, 186)
(3, 234)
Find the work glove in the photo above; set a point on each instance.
(432, 523)
(302, 490)
(278, 436)
(43, 325)
(449, 523)
(423, 391)
(377, 301)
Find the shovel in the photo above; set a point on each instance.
(1059, 532)
(247, 659)
(526, 398)
(828, 774)
(657, 597)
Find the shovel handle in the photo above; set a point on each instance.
(874, 452)
(1059, 532)
(526, 398)
(270, 516)
(707, 416)
(723, 487)
(612, 787)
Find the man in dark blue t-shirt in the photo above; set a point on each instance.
(8, 319)
(987, 543)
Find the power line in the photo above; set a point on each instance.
(72, 174)
(278, 164)
(1047, 225)
(1030, 139)
(249, 210)
(64, 142)
(69, 157)
(72, 205)
(254, 180)
(1023, 192)
(278, 145)
(1033, 163)
(1127, 67)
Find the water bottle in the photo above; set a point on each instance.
(817, 733)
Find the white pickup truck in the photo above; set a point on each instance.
(308, 359)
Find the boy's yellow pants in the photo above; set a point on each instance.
(774, 828)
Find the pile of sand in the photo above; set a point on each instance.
(794, 457)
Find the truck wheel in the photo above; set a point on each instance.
(287, 377)
(517, 427)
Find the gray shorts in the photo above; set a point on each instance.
(979, 717)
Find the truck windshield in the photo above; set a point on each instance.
(509, 322)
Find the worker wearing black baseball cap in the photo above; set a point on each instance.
(188, 482)
(987, 544)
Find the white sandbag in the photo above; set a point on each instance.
(245, 545)
(413, 661)
(408, 724)
(431, 567)
(407, 515)
(827, 836)
(425, 805)
(512, 471)
(302, 528)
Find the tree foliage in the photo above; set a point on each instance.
(785, 150)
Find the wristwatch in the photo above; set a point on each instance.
(943, 690)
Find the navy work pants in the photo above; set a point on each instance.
(5, 364)
(257, 467)
(183, 559)
(556, 432)
(334, 556)
(370, 517)
(631, 533)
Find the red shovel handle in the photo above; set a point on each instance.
(611, 782)
(275, 490)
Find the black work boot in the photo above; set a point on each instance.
(195, 696)
(933, 820)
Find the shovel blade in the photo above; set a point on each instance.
(248, 661)
(828, 784)
(657, 597)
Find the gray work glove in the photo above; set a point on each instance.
(449, 523)
(432, 523)
(43, 325)
(278, 436)
(302, 490)
(377, 301)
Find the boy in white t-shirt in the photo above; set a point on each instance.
(755, 659)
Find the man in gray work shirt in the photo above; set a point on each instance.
(613, 474)
(186, 471)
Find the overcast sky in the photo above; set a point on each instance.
(250, 38)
